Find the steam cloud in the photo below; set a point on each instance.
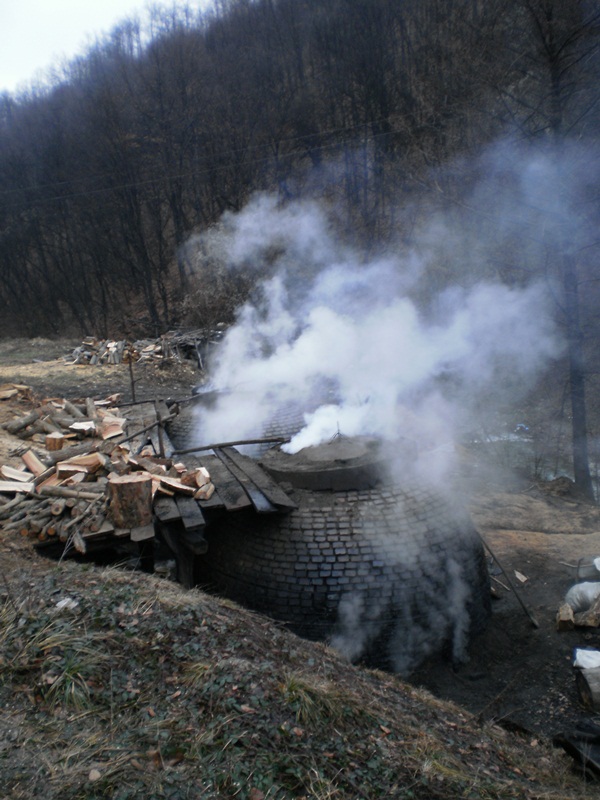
(328, 324)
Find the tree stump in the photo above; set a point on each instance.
(130, 499)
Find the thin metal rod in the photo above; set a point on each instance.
(269, 440)
(534, 621)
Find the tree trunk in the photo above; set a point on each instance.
(581, 463)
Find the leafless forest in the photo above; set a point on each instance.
(462, 134)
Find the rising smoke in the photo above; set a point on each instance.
(342, 338)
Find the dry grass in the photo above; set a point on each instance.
(144, 690)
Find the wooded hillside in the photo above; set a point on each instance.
(106, 169)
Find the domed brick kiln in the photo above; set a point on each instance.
(387, 571)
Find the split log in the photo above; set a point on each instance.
(33, 463)
(87, 427)
(130, 499)
(55, 441)
(64, 469)
(588, 686)
(148, 465)
(16, 486)
(205, 492)
(12, 474)
(68, 453)
(176, 485)
(565, 621)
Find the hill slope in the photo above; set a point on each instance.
(123, 685)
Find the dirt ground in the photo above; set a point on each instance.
(520, 673)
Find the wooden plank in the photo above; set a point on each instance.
(261, 479)
(194, 541)
(191, 516)
(230, 490)
(166, 510)
(142, 532)
(261, 503)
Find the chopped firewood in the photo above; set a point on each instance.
(106, 528)
(130, 499)
(73, 410)
(85, 426)
(197, 477)
(565, 620)
(16, 486)
(111, 427)
(202, 477)
(65, 469)
(205, 492)
(88, 462)
(176, 485)
(7, 394)
(58, 507)
(141, 534)
(51, 480)
(33, 463)
(19, 424)
(71, 493)
(55, 441)
(12, 474)
(148, 465)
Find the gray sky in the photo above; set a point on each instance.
(37, 34)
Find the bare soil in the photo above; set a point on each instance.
(519, 673)
(520, 670)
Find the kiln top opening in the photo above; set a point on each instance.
(342, 464)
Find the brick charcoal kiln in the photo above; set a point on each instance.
(387, 571)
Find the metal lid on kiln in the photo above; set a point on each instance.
(342, 464)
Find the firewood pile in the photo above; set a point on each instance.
(175, 345)
(94, 493)
(57, 421)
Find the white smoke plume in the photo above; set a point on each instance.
(363, 345)
(331, 324)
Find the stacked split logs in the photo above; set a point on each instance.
(94, 497)
(55, 422)
(88, 496)
(177, 345)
